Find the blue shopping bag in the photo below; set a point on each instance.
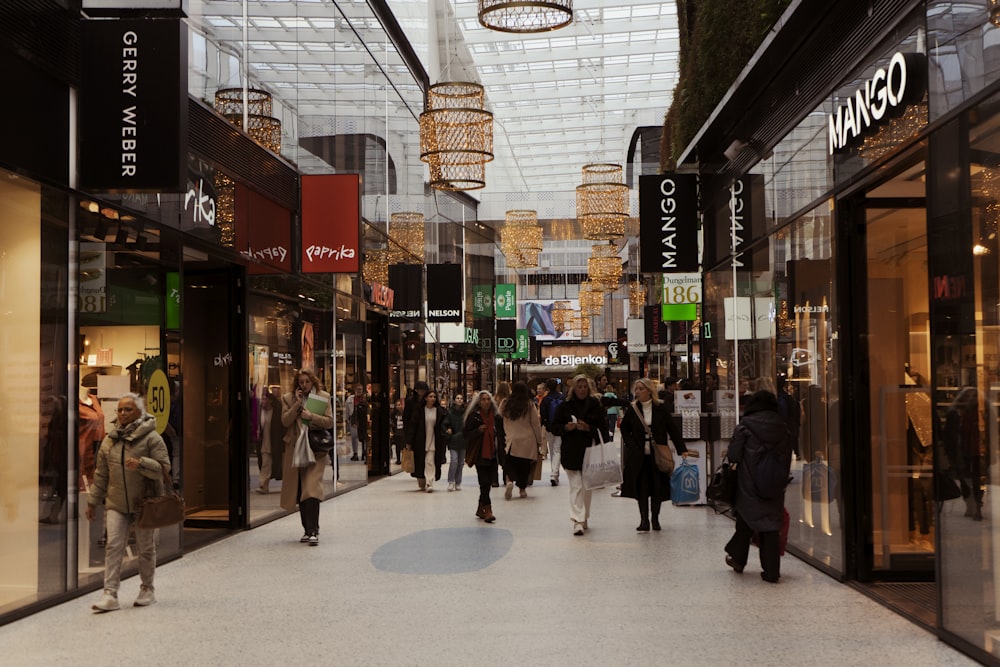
(685, 488)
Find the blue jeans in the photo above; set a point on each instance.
(455, 466)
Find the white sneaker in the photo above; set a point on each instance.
(578, 529)
(430, 489)
(458, 487)
(509, 491)
(451, 486)
(108, 602)
(313, 540)
(146, 597)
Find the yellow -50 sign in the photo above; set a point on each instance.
(158, 399)
(681, 288)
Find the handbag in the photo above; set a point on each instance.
(320, 440)
(302, 455)
(721, 490)
(601, 465)
(161, 511)
(662, 455)
(406, 460)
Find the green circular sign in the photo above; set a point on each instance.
(158, 399)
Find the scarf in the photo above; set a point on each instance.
(489, 435)
(123, 432)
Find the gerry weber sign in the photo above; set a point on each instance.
(133, 106)
(884, 96)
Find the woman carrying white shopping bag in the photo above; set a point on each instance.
(578, 421)
(646, 424)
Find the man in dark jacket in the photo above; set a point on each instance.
(546, 410)
(761, 448)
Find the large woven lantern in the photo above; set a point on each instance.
(456, 136)
(602, 205)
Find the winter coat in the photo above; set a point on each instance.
(634, 447)
(523, 437)
(756, 433)
(119, 488)
(474, 437)
(456, 422)
(302, 483)
(416, 432)
(574, 442)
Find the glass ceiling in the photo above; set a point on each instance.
(560, 99)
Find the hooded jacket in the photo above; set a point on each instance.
(118, 487)
(758, 431)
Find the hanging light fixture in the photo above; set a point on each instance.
(562, 316)
(456, 136)
(523, 16)
(994, 9)
(261, 125)
(591, 299)
(636, 298)
(521, 239)
(602, 205)
(225, 208)
(605, 267)
(376, 267)
(406, 238)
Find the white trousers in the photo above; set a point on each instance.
(579, 497)
(429, 468)
(555, 454)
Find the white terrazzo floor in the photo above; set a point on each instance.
(379, 590)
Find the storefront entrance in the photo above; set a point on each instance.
(893, 417)
(213, 458)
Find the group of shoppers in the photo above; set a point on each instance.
(517, 433)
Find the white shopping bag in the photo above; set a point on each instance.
(601, 466)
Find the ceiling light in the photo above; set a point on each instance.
(525, 15)
(406, 238)
(456, 136)
(521, 239)
(602, 205)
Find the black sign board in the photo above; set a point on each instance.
(506, 336)
(656, 330)
(133, 106)
(444, 293)
(668, 223)
(742, 214)
(407, 283)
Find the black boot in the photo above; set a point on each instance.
(656, 522)
(643, 526)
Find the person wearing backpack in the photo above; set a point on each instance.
(546, 413)
(762, 451)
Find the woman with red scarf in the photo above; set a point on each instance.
(484, 437)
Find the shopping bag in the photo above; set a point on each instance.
(406, 460)
(601, 466)
(302, 455)
(685, 488)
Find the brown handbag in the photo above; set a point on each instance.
(406, 460)
(662, 455)
(161, 511)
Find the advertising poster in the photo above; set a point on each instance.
(536, 318)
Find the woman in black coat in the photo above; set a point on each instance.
(761, 433)
(427, 418)
(578, 421)
(641, 479)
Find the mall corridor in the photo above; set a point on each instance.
(408, 578)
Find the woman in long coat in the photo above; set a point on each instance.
(524, 439)
(483, 439)
(304, 486)
(426, 431)
(761, 429)
(641, 479)
(577, 421)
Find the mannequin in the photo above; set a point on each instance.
(91, 433)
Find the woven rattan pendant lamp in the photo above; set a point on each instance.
(456, 136)
(524, 16)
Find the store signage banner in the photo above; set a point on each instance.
(444, 293)
(523, 350)
(407, 283)
(668, 223)
(745, 217)
(656, 330)
(482, 300)
(331, 223)
(506, 337)
(108, 7)
(133, 106)
(505, 301)
(570, 356)
(263, 232)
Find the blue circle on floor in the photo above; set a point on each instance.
(444, 551)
